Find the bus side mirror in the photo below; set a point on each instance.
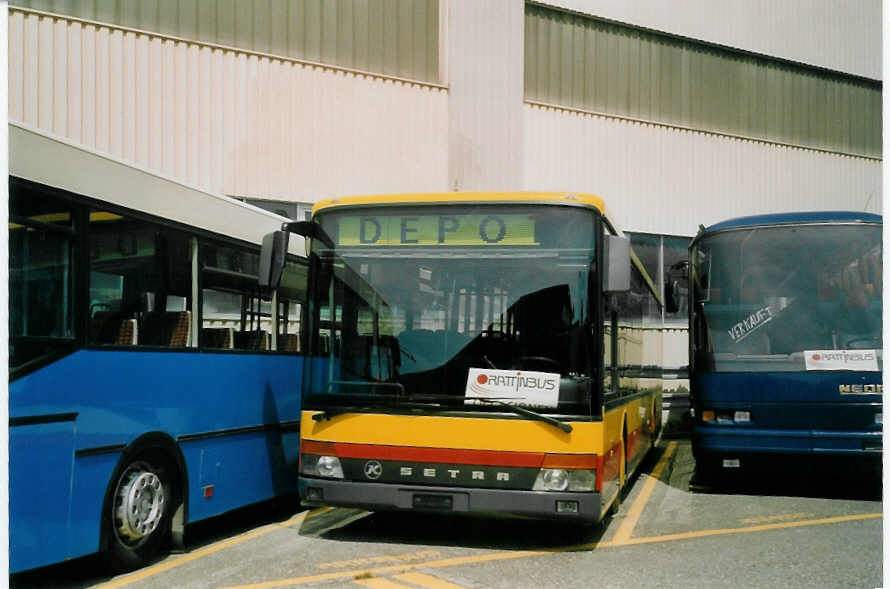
(272, 258)
(616, 259)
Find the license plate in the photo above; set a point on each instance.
(437, 502)
(742, 416)
(731, 463)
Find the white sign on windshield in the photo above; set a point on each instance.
(866, 360)
(520, 387)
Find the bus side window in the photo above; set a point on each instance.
(140, 283)
(41, 274)
(234, 314)
(291, 297)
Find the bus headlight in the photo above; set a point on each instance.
(321, 466)
(558, 479)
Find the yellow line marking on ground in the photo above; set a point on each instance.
(779, 517)
(319, 511)
(445, 562)
(428, 581)
(380, 583)
(636, 510)
(497, 556)
(207, 550)
(379, 560)
(747, 530)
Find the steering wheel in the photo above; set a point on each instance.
(875, 341)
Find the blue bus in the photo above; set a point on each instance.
(785, 340)
(151, 381)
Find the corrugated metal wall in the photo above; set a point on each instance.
(590, 64)
(485, 95)
(393, 37)
(227, 121)
(660, 179)
(842, 35)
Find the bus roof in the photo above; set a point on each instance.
(567, 198)
(795, 218)
(54, 161)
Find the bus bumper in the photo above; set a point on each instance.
(579, 507)
(725, 448)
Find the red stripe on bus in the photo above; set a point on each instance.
(313, 447)
(612, 463)
(441, 455)
(451, 455)
(570, 461)
(633, 444)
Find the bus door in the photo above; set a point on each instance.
(39, 496)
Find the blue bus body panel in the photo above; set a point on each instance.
(222, 409)
(38, 505)
(790, 412)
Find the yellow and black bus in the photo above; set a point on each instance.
(474, 353)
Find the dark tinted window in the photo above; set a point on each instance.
(234, 314)
(140, 283)
(41, 274)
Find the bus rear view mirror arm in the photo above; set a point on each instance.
(274, 250)
(309, 229)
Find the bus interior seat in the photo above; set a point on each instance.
(374, 361)
(872, 269)
(128, 333)
(182, 328)
(289, 342)
(166, 328)
(251, 340)
(113, 328)
(218, 337)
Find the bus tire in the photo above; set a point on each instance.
(139, 512)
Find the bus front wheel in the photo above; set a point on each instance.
(141, 509)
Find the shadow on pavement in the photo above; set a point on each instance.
(811, 478)
(94, 569)
(464, 531)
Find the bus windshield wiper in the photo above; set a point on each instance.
(527, 413)
(370, 383)
(418, 401)
(412, 402)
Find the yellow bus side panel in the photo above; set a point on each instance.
(508, 435)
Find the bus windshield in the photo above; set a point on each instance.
(770, 298)
(441, 302)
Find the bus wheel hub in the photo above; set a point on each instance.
(140, 504)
